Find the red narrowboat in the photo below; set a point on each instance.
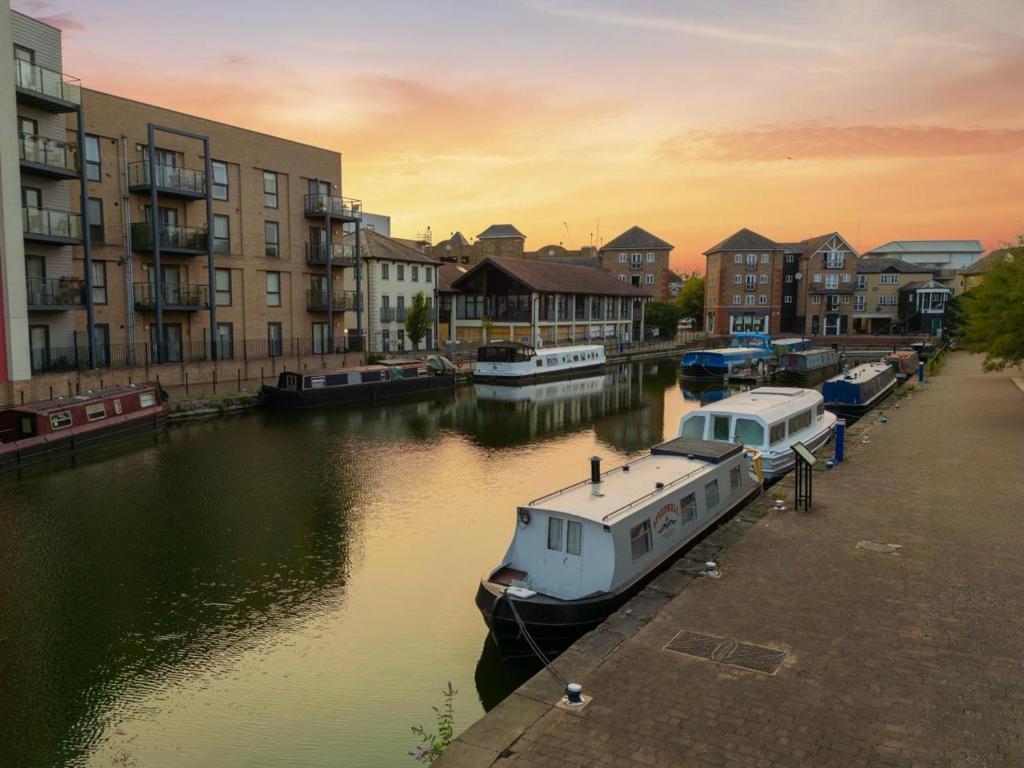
(38, 431)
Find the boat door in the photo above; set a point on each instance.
(562, 562)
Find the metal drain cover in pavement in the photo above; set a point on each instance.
(757, 658)
(879, 548)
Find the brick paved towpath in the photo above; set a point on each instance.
(907, 659)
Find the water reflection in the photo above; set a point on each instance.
(284, 588)
(705, 392)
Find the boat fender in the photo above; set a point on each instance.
(755, 464)
(524, 516)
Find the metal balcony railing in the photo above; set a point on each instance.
(316, 300)
(334, 205)
(58, 155)
(341, 255)
(47, 83)
(167, 178)
(172, 238)
(55, 292)
(176, 296)
(51, 224)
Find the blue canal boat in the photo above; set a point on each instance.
(748, 351)
(809, 366)
(859, 389)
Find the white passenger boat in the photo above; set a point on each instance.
(770, 419)
(512, 363)
(579, 553)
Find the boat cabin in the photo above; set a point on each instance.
(763, 418)
(387, 370)
(751, 341)
(859, 385)
(782, 346)
(63, 415)
(808, 360)
(903, 362)
(602, 534)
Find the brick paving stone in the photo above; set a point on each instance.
(897, 660)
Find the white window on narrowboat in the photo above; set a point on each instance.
(720, 428)
(777, 433)
(117, 406)
(147, 399)
(693, 427)
(573, 537)
(317, 382)
(800, 421)
(749, 432)
(688, 508)
(640, 539)
(711, 495)
(95, 411)
(60, 420)
(555, 533)
(734, 479)
(540, 362)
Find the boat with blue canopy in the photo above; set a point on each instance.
(856, 391)
(747, 352)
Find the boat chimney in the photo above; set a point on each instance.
(595, 470)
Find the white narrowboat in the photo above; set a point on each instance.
(769, 419)
(579, 553)
(513, 363)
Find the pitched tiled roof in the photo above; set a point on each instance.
(981, 266)
(458, 239)
(500, 230)
(744, 240)
(373, 245)
(552, 277)
(447, 273)
(930, 246)
(870, 265)
(812, 244)
(636, 237)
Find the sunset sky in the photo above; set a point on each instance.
(883, 120)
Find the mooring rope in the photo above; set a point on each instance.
(533, 643)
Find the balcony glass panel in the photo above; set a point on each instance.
(55, 292)
(47, 82)
(40, 150)
(50, 223)
(168, 177)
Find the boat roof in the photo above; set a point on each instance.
(621, 490)
(357, 368)
(727, 350)
(790, 340)
(862, 371)
(901, 353)
(86, 397)
(767, 402)
(811, 351)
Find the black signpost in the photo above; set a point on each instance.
(805, 461)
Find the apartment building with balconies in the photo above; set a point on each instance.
(876, 301)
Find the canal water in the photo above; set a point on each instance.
(286, 589)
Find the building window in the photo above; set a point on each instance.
(764, 258)
(272, 239)
(269, 189)
(763, 280)
(751, 259)
(894, 279)
(711, 495)
(650, 258)
(21, 53)
(622, 258)
(788, 300)
(428, 274)
(640, 539)
(832, 280)
(415, 273)
(99, 282)
(762, 299)
(222, 287)
(96, 230)
(846, 277)
(737, 279)
(401, 338)
(384, 271)
(816, 299)
(400, 270)
(274, 346)
(737, 299)
(749, 299)
(622, 278)
(817, 277)
(273, 289)
(789, 258)
(93, 164)
(789, 278)
(225, 341)
(649, 279)
(219, 187)
(862, 281)
(221, 234)
(883, 279)
(751, 282)
(858, 303)
(834, 260)
(846, 298)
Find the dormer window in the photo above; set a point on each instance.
(834, 260)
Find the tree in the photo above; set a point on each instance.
(417, 320)
(992, 314)
(663, 316)
(690, 301)
(486, 325)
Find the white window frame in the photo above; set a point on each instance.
(737, 279)
(764, 258)
(649, 279)
(738, 258)
(749, 300)
(622, 258)
(763, 279)
(737, 299)
(762, 299)
(816, 299)
(788, 300)
(650, 257)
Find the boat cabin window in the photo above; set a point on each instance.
(821, 406)
(711, 495)
(26, 426)
(95, 411)
(749, 432)
(694, 427)
(117, 406)
(575, 358)
(504, 354)
(734, 479)
(720, 426)
(574, 537)
(146, 399)
(800, 421)
(317, 382)
(688, 508)
(777, 433)
(369, 376)
(60, 420)
(640, 539)
(555, 533)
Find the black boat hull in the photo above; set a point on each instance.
(352, 394)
